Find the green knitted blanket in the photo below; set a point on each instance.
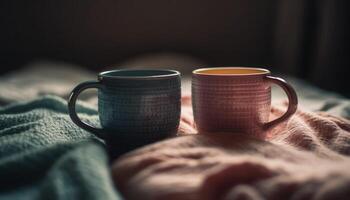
(43, 155)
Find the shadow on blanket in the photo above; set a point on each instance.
(305, 158)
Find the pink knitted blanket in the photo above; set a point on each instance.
(304, 158)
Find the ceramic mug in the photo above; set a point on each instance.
(133, 104)
(236, 99)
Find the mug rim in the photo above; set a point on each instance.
(172, 73)
(263, 71)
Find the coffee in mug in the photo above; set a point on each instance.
(135, 106)
(236, 99)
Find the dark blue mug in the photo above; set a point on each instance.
(133, 104)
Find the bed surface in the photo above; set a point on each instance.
(302, 158)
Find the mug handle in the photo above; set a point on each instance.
(292, 101)
(72, 103)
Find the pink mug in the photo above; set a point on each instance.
(237, 99)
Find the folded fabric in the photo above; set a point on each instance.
(43, 155)
(304, 158)
(43, 78)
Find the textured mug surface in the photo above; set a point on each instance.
(134, 104)
(236, 99)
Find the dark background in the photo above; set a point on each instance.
(304, 38)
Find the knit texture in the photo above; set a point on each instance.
(307, 157)
(43, 155)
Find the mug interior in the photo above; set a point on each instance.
(139, 73)
(231, 71)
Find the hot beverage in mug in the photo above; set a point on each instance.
(236, 99)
